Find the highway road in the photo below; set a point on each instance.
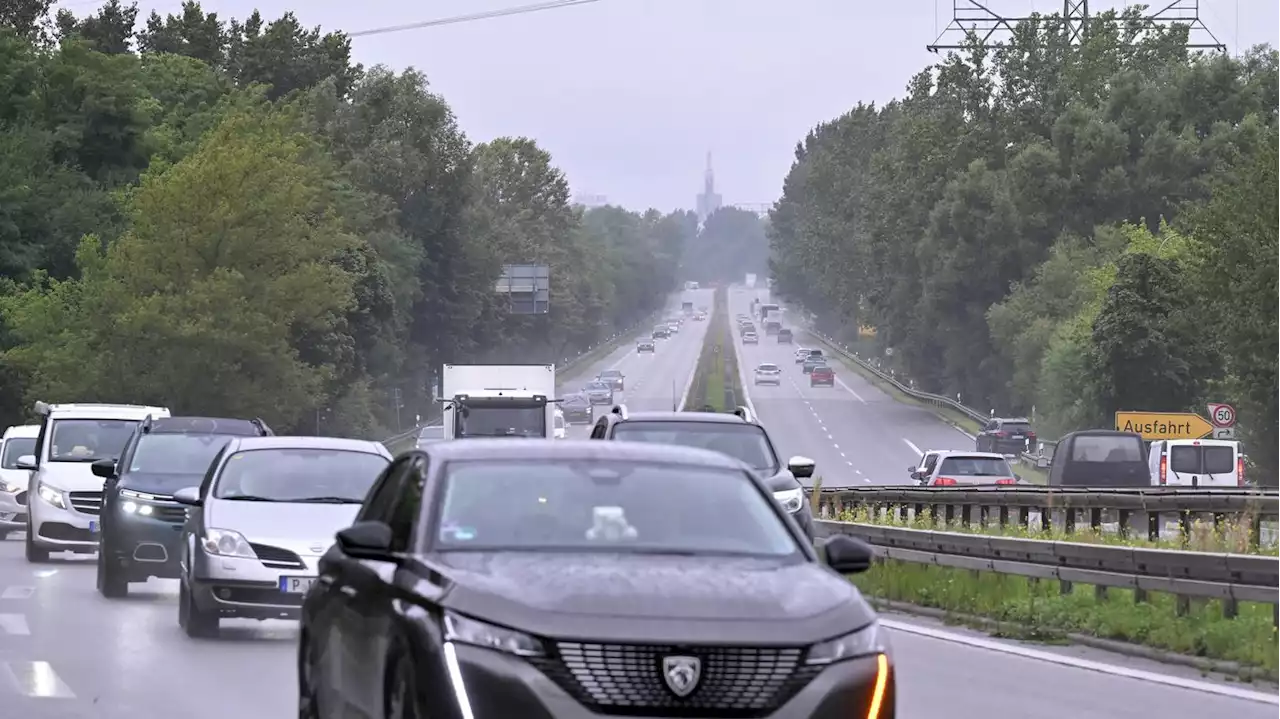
(68, 653)
(858, 435)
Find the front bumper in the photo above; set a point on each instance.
(143, 547)
(247, 588)
(601, 400)
(769, 379)
(13, 511)
(499, 686)
(61, 530)
(815, 382)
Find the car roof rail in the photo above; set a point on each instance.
(744, 413)
(620, 410)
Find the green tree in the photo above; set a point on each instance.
(109, 31)
(732, 243)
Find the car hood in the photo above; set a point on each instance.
(16, 477)
(158, 482)
(70, 476)
(298, 527)
(658, 598)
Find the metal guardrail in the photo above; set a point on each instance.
(1231, 578)
(565, 365)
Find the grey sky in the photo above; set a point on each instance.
(629, 95)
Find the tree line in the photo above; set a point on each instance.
(234, 218)
(1055, 229)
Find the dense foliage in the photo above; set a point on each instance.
(1064, 230)
(231, 218)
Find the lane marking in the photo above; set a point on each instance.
(37, 680)
(912, 446)
(1085, 664)
(17, 592)
(850, 390)
(14, 624)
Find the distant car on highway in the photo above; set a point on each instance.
(1100, 458)
(614, 378)
(577, 409)
(1006, 436)
(784, 336)
(18, 441)
(750, 338)
(646, 345)
(822, 376)
(737, 435)
(598, 392)
(259, 523)
(947, 468)
(811, 362)
(802, 354)
(768, 373)
(700, 317)
(536, 579)
(661, 332)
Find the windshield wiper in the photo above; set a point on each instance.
(327, 500)
(249, 498)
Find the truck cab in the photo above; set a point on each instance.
(516, 401)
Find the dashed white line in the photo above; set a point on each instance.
(15, 624)
(17, 592)
(37, 680)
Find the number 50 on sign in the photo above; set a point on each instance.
(1222, 415)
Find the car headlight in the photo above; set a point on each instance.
(227, 543)
(136, 503)
(465, 630)
(53, 495)
(10, 487)
(790, 499)
(867, 641)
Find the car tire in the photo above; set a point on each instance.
(196, 623)
(308, 705)
(400, 700)
(35, 554)
(110, 582)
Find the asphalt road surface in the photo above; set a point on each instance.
(858, 435)
(68, 653)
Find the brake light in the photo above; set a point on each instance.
(1164, 468)
(1239, 471)
(944, 482)
(1007, 480)
(1031, 435)
(1002, 434)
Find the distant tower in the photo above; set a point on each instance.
(709, 200)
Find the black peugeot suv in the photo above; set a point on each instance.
(141, 525)
(736, 434)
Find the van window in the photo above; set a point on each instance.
(1106, 448)
(1185, 459)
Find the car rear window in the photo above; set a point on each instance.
(768, 367)
(1016, 427)
(1190, 459)
(975, 467)
(1106, 448)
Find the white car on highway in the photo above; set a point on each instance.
(769, 373)
(802, 354)
(65, 496)
(18, 441)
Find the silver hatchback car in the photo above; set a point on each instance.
(268, 509)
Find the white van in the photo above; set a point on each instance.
(17, 441)
(1196, 463)
(65, 496)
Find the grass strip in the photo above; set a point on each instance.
(707, 391)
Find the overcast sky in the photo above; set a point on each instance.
(630, 95)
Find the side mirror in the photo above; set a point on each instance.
(189, 496)
(912, 470)
(27, 461)
(801, 467)
(366, 540)
(848, 555)
(105, 468)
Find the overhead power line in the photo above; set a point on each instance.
(457, 19)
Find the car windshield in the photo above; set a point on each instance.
(768, 368)
(1106, 448)
(15, 447)
(597, 386)
(975, 467)
(609, 506)
(574, 399)
(610, 373)
(88, 440)
(176, 453)
(481, 420)
(744, 442)
(299, 475)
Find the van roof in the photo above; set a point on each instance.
(1201, 442)
(94, 411)
(22, 430)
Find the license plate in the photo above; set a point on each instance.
(93, 527)
(1016, 436)
(296, 585)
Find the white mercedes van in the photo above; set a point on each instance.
(65, 496)
(18, 441)
(1196, 463)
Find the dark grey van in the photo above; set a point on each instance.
(1100, 458)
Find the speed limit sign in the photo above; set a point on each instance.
(1222, 415)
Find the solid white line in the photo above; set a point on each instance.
(912, 446)
(37, 680)
(1085, 664)
(14, 624)
(849, 389)
(17, 592)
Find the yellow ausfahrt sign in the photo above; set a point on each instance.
(1164, 425)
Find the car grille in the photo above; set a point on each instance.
(277, 557)
(86, 502)
(171, 513)
(626, 679)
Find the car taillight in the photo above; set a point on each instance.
(1031, 435)
(1164, 468)
(944, 482)
(1239, 471)
(1007, 480)
(1002, 434)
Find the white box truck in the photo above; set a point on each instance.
(498, 401)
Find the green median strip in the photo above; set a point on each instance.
(716, 386)
(1023, 608)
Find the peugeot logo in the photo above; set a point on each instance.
(681, 674)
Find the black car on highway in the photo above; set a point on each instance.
(736, 434)
(141, 523)
(614, 378)
(577, 409)
(569, 580)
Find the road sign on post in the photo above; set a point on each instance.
(1224, 433)
(1164, 425)
(1222, 415)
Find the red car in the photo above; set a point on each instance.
(822, 375)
